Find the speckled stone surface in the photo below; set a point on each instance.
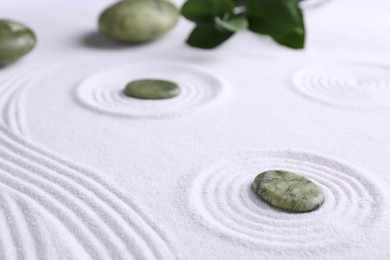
(152, 89)
(288, 191)
(16, 40)
(138, 20)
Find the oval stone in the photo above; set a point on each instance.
(138, 20)
(152, 89)
(16, 40)
(288, 191)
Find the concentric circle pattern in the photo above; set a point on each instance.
(348, 85)
(103, 91)
(223, 196)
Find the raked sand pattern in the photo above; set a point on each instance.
(28, 231)
(11, 100)
(171, 179)
(223, 196)
(54, 209)
(360, 86)
(103, 91)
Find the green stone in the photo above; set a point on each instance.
(288, 191)
(16, 40)
(138, 20)
(152, 89)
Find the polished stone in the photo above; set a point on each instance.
(16, 40)
(152, 89)
(288, 191)
(138, 20)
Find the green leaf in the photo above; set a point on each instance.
(238, 2)
(208, 36)
(204, 11)
(233, 24)
(295, 40)
(281, 19)
(197, 11)
(222, 7)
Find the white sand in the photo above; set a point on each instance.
(86, 173)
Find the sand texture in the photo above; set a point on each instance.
(88, 173)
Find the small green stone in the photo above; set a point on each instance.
(138, 20)
(288, 191)
(152, 89)
(16, 40)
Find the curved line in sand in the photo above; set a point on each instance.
(103, 91)
(359, 86)
(76, 195)
(222, 195)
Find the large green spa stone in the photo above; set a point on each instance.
(138, 20)
(16, 40)
(152, 89)
(288, 191)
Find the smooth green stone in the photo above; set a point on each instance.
(16, 40)
(152, 89)
(138, 20)
(288, 191)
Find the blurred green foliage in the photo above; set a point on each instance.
(218, 20)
